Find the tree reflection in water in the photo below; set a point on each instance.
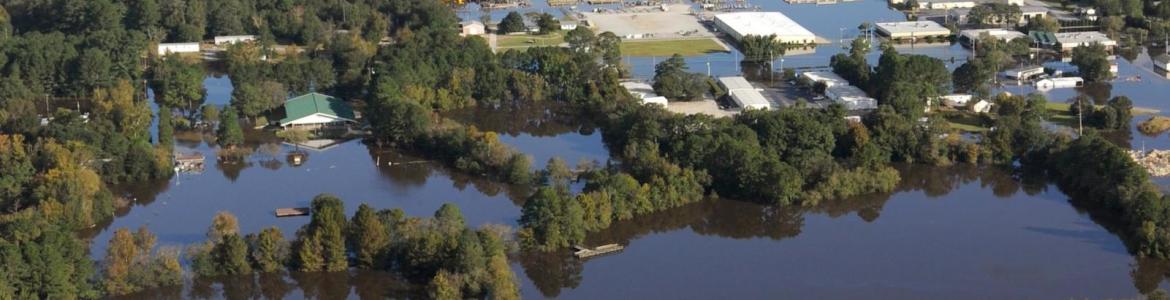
(551, 272)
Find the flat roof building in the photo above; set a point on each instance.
(911, 29)
(829, 78)
(853, 98)
(1070, 40)
(740, 24)
(1024, 73)
(744, 94)
(972, 36)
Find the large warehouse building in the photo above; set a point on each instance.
(740, 24)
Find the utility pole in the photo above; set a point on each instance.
(1080, 113)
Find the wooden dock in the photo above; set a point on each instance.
(583, 252)
(292, 212)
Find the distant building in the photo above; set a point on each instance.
(744, 94)
(1043, 39)
(232, 39)
(911, 29)
(568, 25)
(314, 110)
(1069, 40)
(740, 24)
(830, 79)
(971, 37)
(946, 4)
(1023, 73)
(165, 48)
(1058, 83)
(468, 28)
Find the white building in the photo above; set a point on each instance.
(644, 92)
(1057, 83)
(946, 4)
(1070, 40)
(232, 39)
(972, 36)
(829, 78)
(853, 98)
(911, 29)
(467, 28)
(165, 48)
(740, 24)
(568, 25)
(839, 90)
(744, 94)
(1023, 73)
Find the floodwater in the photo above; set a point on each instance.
(956, 232)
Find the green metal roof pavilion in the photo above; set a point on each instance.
(311, 104)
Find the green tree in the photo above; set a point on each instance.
(19, 172)
(513, 22)
(444, 286)
(230, 134)
(209, 113)
(176, 83)
(268, 250)
(581, 39)
(1092, 62)
(166, 128)
(369, 237)
(231, 256)
(399, 121)
(547, 23)
(671, 80)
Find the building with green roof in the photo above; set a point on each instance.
(315, 110)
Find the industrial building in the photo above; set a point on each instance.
(740, 24)
(1069, 40)
(1023, 73)
(912, 29)
(744, 94)
(840, 91)
(314, 110)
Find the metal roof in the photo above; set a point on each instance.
(314, 103)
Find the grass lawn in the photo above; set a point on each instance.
(692, 47)
(965, 121)
(527, 40)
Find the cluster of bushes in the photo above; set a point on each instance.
(553, 218)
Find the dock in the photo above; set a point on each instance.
(292, 212)
(583, 252)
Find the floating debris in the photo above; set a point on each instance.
(1156, 162)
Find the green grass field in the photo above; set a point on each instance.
(692, 47)
(525, 40)
(965, 121)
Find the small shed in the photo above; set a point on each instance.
(956, 100)
(472, 28)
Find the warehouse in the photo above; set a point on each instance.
(972, 36)
(912, 29)
(1070, 40)
(740, 24)
(744, 94)
(853, 98)
(829, 78)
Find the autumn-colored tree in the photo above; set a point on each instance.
(222, 225)
(445, 286)
(120, 255)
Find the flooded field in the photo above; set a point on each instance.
(957, 232)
